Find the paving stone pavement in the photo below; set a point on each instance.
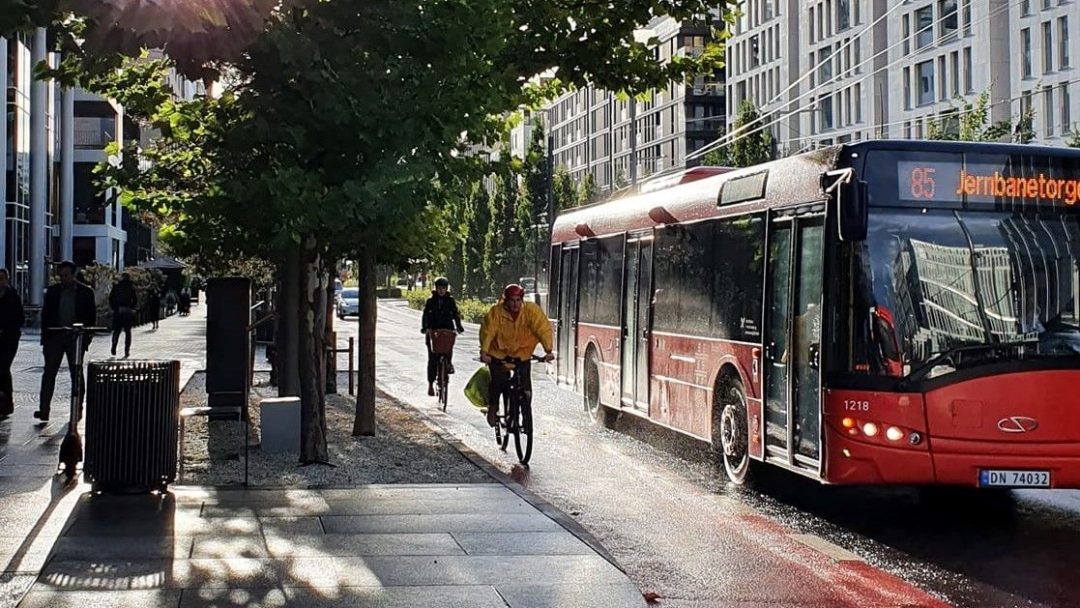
(385, 546)
(35, 504)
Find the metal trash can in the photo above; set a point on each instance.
(132, 418)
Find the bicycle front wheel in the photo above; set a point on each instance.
(443, 379)
(523, 437)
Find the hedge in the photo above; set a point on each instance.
(472, 311)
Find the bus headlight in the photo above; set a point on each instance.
(869, 429)
(894, 433)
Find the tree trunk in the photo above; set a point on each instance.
(364, 424)
(288, 363)
(331, 335)
(312, 308)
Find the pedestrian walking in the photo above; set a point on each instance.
(153, 305)
(123, 300)
(185, 302)
(11, 322)
(66, 303)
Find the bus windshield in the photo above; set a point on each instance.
(943, 289)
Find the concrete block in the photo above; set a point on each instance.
(279, 422)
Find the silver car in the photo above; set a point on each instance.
(348, 302)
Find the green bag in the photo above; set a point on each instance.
(476, 390)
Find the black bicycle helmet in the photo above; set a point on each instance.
(442, 282)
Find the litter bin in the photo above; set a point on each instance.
(132, 415)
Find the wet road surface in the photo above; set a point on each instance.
(653, 499)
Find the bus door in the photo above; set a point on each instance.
(637, 305)
(793, 340)
(568, 309)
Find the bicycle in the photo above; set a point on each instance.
(71, 448)
(516, 418)
(442, 345)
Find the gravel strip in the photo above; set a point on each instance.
(404, 450)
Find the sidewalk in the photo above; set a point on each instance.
(34, 503)
(413, 545)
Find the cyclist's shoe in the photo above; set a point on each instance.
(450, 368)
(493, 416)
(430, 390)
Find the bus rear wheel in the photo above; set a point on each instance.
(600, 414)
(731, 436)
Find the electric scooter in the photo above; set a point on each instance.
(71, 448)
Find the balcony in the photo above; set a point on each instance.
(94, 133)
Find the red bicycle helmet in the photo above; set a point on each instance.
(513, 290)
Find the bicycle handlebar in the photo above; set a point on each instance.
(513, 361)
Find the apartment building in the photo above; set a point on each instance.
(50, 141)
(845, 70)
(621, 140)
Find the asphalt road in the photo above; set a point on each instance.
(653, 499)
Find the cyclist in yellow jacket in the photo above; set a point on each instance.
(512, 328)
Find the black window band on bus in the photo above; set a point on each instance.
(743, 188)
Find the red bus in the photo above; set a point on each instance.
(884, 312)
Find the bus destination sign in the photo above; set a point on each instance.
(982, 183)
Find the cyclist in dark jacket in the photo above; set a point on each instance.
(440, 312)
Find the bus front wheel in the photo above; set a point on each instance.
(731, 437)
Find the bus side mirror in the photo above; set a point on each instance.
(851, 210)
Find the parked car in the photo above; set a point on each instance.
(348, 302)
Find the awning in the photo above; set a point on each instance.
(163, 262)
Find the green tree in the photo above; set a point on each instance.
(1074, 138)
(500, 233)
(970, 121)
(587, 190)
(478, 221)
(563, 191)
(751, 144)
(264, 169)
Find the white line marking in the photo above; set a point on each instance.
(833, 552)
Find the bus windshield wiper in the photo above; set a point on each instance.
(995, 350)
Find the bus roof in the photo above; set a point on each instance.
(793, 179)
(796, 179)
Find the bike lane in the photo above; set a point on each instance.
(689, 546)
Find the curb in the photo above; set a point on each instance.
(570, 524)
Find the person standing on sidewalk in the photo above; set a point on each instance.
(11, 322)
(440, 313)
(153, 304)
(66, 303)
(122, 300)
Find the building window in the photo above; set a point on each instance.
(1063, 42)
(825, 65)
(907, 88)
(820, 23)
(948, 16)
(1046, 3)
(858, 55)
(826, 106)
(965, 16)
(969, 85)
(906, 32)
(858, 102)
(828, 18)
(1048, 47)
(944, 86)
(843, 15)
(1025, 8)
(925, 73)
(954, 74)
(858, 16)
(924, 27)
(1048, 111)
(1025, 53)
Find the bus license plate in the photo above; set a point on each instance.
(996, 478)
